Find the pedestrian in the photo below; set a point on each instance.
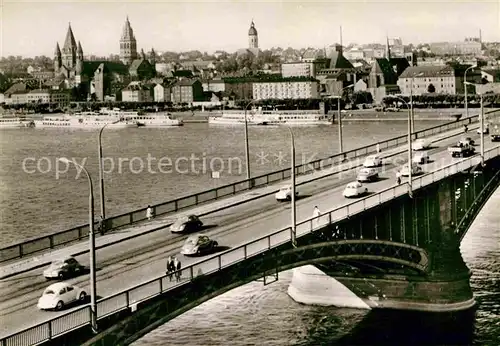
(378, 148)
(170, 267)
(398, 177)
(316, 214)
(466, 129)
(100, 225)
(149, 213)
(178, 273)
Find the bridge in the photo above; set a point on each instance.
(412, 237)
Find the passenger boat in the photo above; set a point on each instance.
(84, 120)
(155, 120)
(271, 117)
(16, 122)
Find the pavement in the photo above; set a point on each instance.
(25, 264)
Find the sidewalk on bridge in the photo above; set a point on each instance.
(36, 261)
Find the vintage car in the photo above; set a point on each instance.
(198, 244)
(354, 189)
(63, 268)
(421, 144)
(60, 294)
(421, 158)
(285, 193)
(415, 170)
(372, 161)
(367, 175)
(186, 224)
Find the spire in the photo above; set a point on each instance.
(128, 33)
(57, 52)
(80, 50)
(143, 55)
(69, 42)
(388, 48)
(252, 31)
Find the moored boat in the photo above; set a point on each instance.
(17, 122)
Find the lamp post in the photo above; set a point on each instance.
(411, 100)
(101, 175)
(294, 213)
(340, 117)
(465, 89)
(247, 151)
(481, 123)
(93, 307)
(410, 163)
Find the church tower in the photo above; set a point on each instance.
(128, 44)
(79, 59)
(253, 40)
(152, 57)
(57, 59)
(69, 50)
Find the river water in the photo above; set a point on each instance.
(34, 203)
(255, 314)
(147, 166)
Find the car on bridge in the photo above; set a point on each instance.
(354, 189)
(421, 144)
(186, 224)
(58, 295)
(421, 158)
(486, 129)
(63, 268)
(285, 193)
(372, 161)
(467, 141)
(198, 244)
(367, 175)
(415, 170)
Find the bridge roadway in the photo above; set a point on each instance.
(132, 262)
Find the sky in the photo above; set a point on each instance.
(31, 28)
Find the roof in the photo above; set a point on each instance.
(252, 31)
(89, 67)
(38, 91)
(69, 42)
(135, 64)
(384, 67)
(58, 285)
(494, 72)
(16, 88)
(428, 71)
(186, 82)
(338, 61)
(399, 65)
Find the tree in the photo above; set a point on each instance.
(431, 89)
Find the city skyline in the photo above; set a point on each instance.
(33, 28)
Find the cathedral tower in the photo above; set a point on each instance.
(253, 40)
(128, 44)
(69, 50)
(57, 59)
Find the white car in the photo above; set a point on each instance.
(486, 129)
(372, 161)
(367, 174)
(416, 170)
(421, 158)
(285, 193)
(421, 144)
(57, 295)
(354, 189)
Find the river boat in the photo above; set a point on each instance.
(15, 122)
(84, 120)
(271, 117)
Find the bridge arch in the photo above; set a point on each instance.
(205, 287)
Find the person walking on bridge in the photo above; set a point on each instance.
(170, 267)
(316, 214)
(398, 177)
(149, 213)
(177, 266)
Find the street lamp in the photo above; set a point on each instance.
(247, 152)
(294, 213)
(481, 122)
(101, 175)
(93, 307)
(410, 163)
(465, 87)
(340, 117)
(411, 99)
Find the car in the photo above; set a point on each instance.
(354, 189)
(372, 161)
(421, 144)
(421, 158)
(198, 244)
(486, 129)
(367, 174)
(467, 141)
(188, 223)
(63, 268)
(416, 170)
(285, 193)
(60, 294)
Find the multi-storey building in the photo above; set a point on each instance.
(456, 48)
(162, 92)
(286, 89)
(187, 91)
(137, 92)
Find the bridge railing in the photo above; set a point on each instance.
(131, 297)
(54, 240)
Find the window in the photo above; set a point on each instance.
(62, 291)
(70, 288)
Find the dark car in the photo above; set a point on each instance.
(190, 223)
(198, 244)
(63, 268)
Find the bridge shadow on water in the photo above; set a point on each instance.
(395, 327)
